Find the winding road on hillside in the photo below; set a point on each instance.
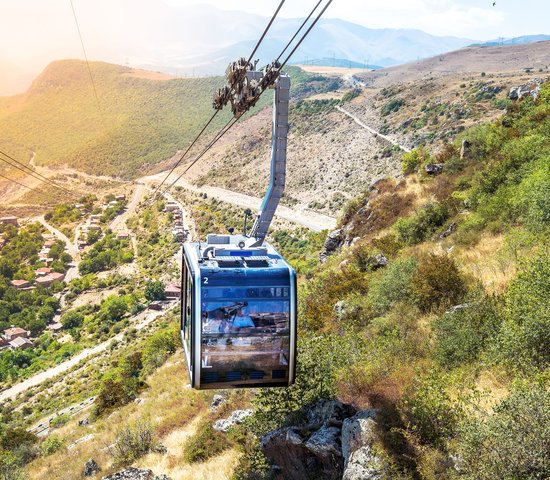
(312, 220)
(372, 130)
(139, 322)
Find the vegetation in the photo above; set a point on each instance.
(106, 254)
(419, 338)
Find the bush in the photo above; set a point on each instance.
(60, 420)
(205, 444)
(429, 410)
(463, 334)
(411, 161)
(392, 106)
(51, 445)
(391, 285)
(9, 467)
(133, 442)
(437, 282)
(513, 442)
(417, 228)
(525, 339)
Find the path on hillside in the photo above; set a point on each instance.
(372, 130)
(307, 218)
(143, 319)
(119, 222)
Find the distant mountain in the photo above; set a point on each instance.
(331, 38)
(525, 39)
(202, 40)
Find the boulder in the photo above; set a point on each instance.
(332, 243)
(136, 474)
(358, 437)
(83, 422)
(313, 448)
(450, 229)
(91, 468)
(217, 402)
(236, 418)
(434, 168)
(465, 148)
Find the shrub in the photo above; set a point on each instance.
(205, 444)
(10, 467)
(51, 445)
(513, 442)
(411, 161)
(437, 282)
(60, 420)
(525, 339)
(429, 410)
(463, 334)
(392, 106)
(417, 228)
(133, 442)
(391, 285)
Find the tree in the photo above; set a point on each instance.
(154, 290)
(114, 308)
(72, 319)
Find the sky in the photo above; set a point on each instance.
(35, 32)
(476, 19)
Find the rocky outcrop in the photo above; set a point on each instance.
(136, 474)
(312, 449)
(449, 231)
(434, 168)
(333, 242)
(217, 402)
(532, 87)
(358, 438)
(91, 468)
(236, 418)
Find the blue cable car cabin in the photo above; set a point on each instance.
(238, 321)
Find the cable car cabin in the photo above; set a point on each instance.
(238, 322)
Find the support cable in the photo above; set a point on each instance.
(29, 171)
(18, 183)
(265, 31)
(86, 57)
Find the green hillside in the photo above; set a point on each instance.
(139, 122)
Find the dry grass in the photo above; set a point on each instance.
(484, 263)
(172, 408)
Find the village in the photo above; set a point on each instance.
(55, 276)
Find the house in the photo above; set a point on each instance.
(21, 284)
(20, 343)
(113, 203)
(49, 244)
(94, 227)
(15, 332)
(120, 198)
(9, 220)
(40, 272)
(172, 291)
(3, 343)
(156, 305)
(123, 236)
(96, 216)
(47, 280)
(82, 244)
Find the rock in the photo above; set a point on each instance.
(83, 422)
(160, 448)
(450, 229)
(532, 87)
(217, 402)
(434, 168)
(162, 476)
(85, 438)
(236, 418)
(358, 437)
(91, 468)
(332, 243)
(456, 308)
(379, 261)
(465, 148)
(312, 449)
(139, 401)
(131, 474)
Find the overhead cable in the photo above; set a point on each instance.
(29, 171)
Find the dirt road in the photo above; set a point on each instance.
(371, 130)
(312, 220)
(140, 321)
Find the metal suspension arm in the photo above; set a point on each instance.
(278, 160)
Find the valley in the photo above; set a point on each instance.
(415, 214)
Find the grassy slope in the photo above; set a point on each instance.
(138, 123)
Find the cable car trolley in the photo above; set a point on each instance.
(238, 323)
